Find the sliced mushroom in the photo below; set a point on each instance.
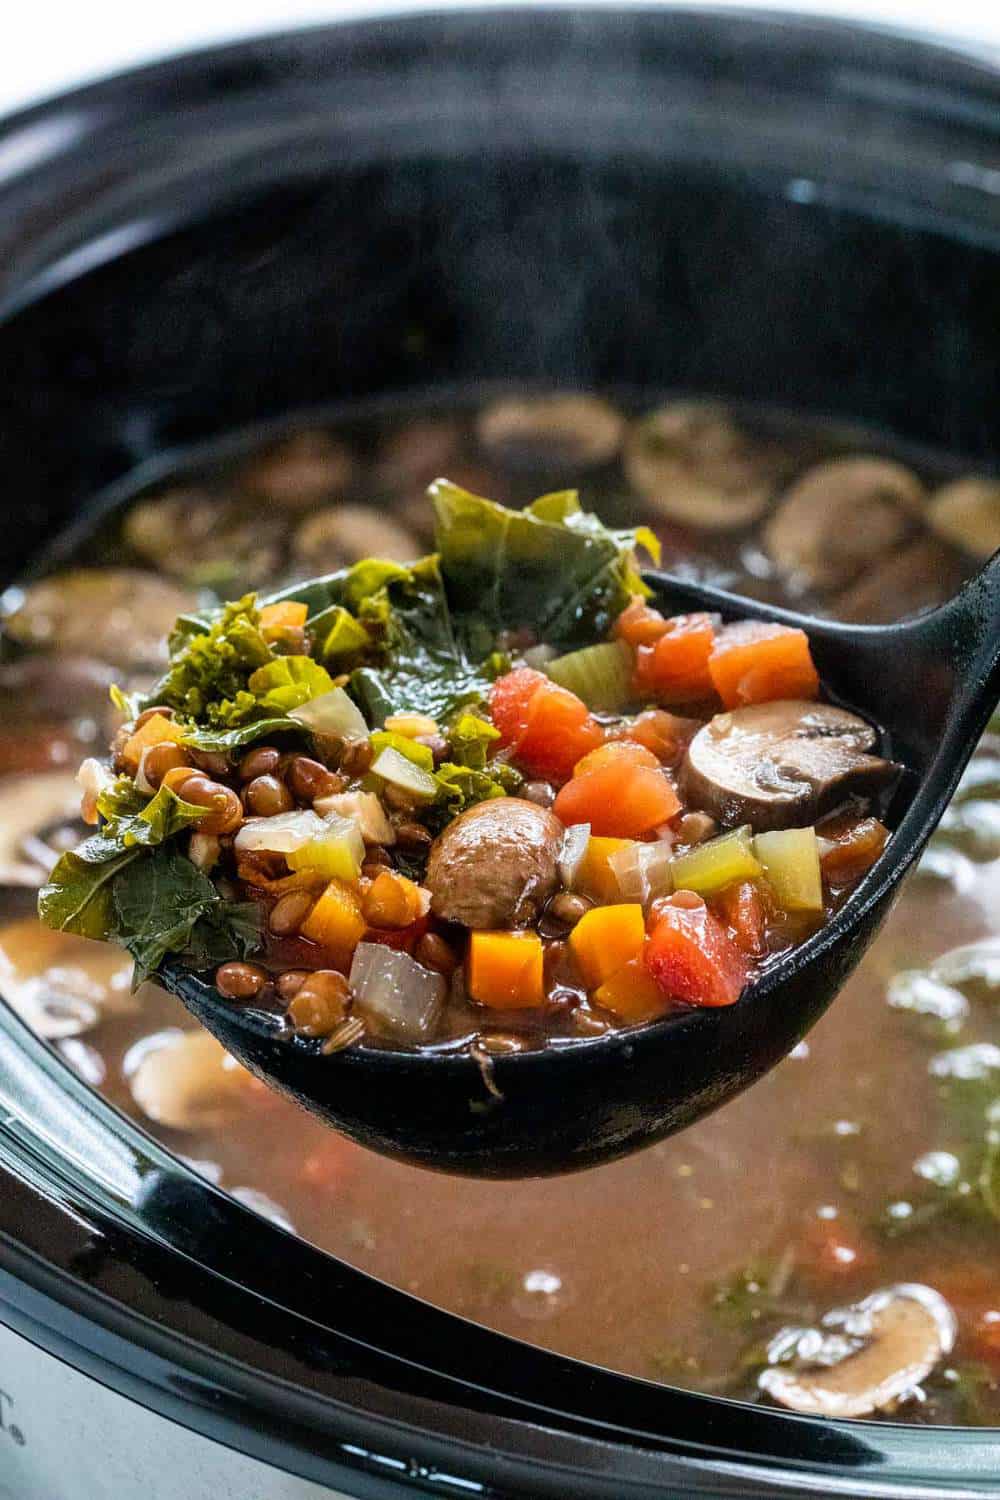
(33, 808)
(875, 1353)
(920, 575)
(841, 516)
(967, 514)
(59, 984)
(560, 431)
(346, 533)
(186, 1080)
(53, 709)
(496, 865)
(307, 469)
(122, 615)
(201, 539)
(694, 464)
(781, 765)
(416, 453)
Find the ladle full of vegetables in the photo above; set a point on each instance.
(513, 860)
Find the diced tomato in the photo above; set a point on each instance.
(639, 624)
(691, 956)
(625, 750)
(675, 668)
(509, 699)
(741, 907)
(619, 799)
(755, 661)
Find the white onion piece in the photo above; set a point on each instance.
(93, 778)
(642, 871)
(204, 850)
(396, 994)
(366, 810)
(141, 780)
(574, 847)
(282, 833)
(333, 713)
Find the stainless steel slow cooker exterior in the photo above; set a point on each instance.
(750, 204)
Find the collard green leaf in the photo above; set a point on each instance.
(168, 906)
(225, 741)
(551, 567)
(471, 740)
(209, 668)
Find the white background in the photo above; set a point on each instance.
(48, 45)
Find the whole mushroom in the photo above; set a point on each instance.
(496, 865)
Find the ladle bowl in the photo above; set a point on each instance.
(929, 684)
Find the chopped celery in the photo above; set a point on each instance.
(710, 867)
(420, 755)
(395, 768)
(333, 713)
(600, 675)
(790, 857)
(337, 853)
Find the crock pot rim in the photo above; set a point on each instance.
(900, 1458)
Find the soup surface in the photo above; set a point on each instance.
(869, 1160)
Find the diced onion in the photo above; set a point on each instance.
(540, 656)
(396, 769)
(643, 871)
(280, 834)
(395, 993)
(141, 780)
(366, 810)
(92, 778)
(333, 713)
(574, 847)
(204, 850)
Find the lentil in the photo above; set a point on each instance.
(266, 796)
(239, 981)
(289, 912)
(263, 761)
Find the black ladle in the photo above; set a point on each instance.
(930, 684)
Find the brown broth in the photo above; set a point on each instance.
(675, 1264)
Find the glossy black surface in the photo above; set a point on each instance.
(771, 207)
(930, 685)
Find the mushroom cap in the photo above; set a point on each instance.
(967, 514)
(559, 430)
(186, 1080)
(781, 764)
(889, 1343)
(840, 516)
(303, 470)
(496, 865)
(691, 462)
(121, 615)
(343, 534)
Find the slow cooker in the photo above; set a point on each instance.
(759, 206)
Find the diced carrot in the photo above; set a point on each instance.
(547, 728)
(663, 733)
(675, 668)
(336, 923)
(605, 939)
(691, 956)
(616, 750)
(632, 994)
(741, 907)
(758, 662)
(275, 618)
(855, 849)
(618, 800)
(639, 624)
(157, 730)
(594, 876)
(506, 970)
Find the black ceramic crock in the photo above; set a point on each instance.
(755, 206)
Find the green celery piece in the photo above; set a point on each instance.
(339, 635)
(420, 755)
(601, 675)
(716, 864)
(790, 857)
